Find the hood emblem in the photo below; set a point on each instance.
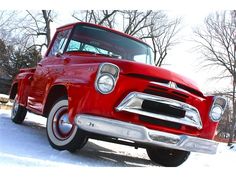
(172, 85)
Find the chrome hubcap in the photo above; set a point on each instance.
(62, 128)
(63, 124)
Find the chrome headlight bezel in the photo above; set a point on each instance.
(101, 84)
(107, 70)
(220, 104)
(216, 113)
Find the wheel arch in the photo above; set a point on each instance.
(55, 92)
(13, 90)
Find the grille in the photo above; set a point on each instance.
(193, 91)
(163, 109)
(164, 93)
(166, 82)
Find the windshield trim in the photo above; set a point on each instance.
(113, 31)
(151, 61)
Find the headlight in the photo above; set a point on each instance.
(217, 109)
(107, 77)
(216, 113)
(105, 83)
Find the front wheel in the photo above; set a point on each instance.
(167, 157)
(18, 112)
(63, 135)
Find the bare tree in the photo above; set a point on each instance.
(36, 27)
(17, 44)
(13, 58)
(217, 44)
(136, 21)
(100, 17)
(163, 38)
(6, 24)
(153, 27)
(6, 18)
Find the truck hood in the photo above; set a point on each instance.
(154, 73)
(135, 69)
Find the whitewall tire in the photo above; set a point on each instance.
(63, 135)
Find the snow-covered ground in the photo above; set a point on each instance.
(4, 96)
(26, 145)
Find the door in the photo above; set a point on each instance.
(50, 68)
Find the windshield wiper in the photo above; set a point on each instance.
(83, 51)
(95, 53)
(110, 55)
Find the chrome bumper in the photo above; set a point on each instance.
(137, 133)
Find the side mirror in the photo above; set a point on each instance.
(58, 53)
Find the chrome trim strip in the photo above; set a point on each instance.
(170, 85)
(133, 103)
(141, 134)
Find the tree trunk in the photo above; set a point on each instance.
(231, 137)
(232, 131)
(227, 122)
(47, 19)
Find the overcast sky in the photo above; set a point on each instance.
(184, 59)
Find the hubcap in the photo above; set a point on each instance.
(62, 128)
(63, 124)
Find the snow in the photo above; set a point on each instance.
(26, 145)
(4, 96)
(4, 100)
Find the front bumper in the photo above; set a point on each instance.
(141, 134)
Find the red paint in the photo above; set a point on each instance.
(77, 72)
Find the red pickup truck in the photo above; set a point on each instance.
(95, 82)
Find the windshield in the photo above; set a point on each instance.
(86, 38)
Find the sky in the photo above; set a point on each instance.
(118, 4)
(185, 60)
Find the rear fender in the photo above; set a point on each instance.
(21, 87)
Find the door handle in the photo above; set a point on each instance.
(66, 60)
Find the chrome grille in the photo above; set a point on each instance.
(164, 109)
(134, 101)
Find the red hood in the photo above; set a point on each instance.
(140, 70)
(133, 68)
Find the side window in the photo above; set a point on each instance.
(141, 58)
(60, 42)
(73, 46)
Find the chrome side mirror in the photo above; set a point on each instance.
(58, 53)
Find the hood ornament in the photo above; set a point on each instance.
(172, 85)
